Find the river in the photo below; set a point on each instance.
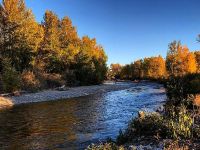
(77, 122)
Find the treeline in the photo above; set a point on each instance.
(43, 55)
(179, 62)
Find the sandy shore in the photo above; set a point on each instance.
(50, 95)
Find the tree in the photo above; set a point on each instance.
(20, 34)
(68, 33)
(197, 56)
(50, 47)
(115, 70)
(126, 72)
(179, 60)
(47, 52)
(10, 77)
(154, 67)
(90, 63)
(69, 40)
(137, 68)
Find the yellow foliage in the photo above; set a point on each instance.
(180, 60)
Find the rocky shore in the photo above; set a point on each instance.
(50, 95)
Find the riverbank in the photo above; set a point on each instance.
(5, 103)
(50, 95)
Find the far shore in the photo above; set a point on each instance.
(50, 95)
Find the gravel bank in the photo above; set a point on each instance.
(50, 95)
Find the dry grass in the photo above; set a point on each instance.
(5, 103)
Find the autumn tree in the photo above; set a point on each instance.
(115, 70)
(197, 56)
(179, 60)
(20, 33)
(90, 62)
(154, 67)
(126, 72)
(50, 47)
(137, 69)
(49, 52)
(69, 41)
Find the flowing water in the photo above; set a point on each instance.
(77, 122)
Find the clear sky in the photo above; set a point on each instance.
(129, 29)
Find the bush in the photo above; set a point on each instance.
(122, 138)
(180, 124)
(70, 78)
(50, 80)
(151, 124)
(10, 78)
(181, 90)
(29, 81)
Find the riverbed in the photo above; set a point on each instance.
(74, 123)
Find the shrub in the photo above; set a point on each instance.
(29, 81)
(151, 124)
(70, 78)
(181, 90)
(180, 124)
(50, 80)
(122, 138)
(177, 125)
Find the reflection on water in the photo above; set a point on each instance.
(77, 122)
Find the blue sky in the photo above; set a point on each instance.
(129, 29)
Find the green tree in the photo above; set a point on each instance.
(10, 77)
